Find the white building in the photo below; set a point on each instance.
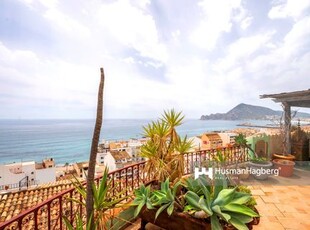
(24, 174)
(117, 159)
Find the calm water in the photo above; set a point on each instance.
(70, 140)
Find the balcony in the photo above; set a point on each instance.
(277, 204)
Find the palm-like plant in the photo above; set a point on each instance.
(241, 140)
(165, 147)
(104, 204)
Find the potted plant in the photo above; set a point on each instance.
(257, 164)
(165, 148)
(260, 168)
(104, 205)
(199, 205)
(285, 167)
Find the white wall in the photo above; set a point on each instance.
(46, 175)
(109, 161)
(25, 169)
(9, 178)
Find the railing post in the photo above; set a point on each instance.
(35, 216)
(60, 212)
(49, 215)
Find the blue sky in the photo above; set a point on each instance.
(200, 57)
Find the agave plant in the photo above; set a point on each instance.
(142, 198)
(220, 204)
(165, 148)
(166, 198)
(205, 200)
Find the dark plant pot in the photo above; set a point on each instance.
(260, 166)
(181, 221)
(286, 167)
(289, 157)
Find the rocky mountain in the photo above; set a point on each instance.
(249, 112)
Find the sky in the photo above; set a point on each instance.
(196, 56)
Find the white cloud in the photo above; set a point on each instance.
(67, 24)
(217, 18)
(289, 8)
(133, 28)
(240, 51)
(298, 37)
(150, 66)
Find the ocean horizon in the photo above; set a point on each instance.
(69, 141)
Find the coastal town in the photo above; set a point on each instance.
(25, 184)
(118, 154)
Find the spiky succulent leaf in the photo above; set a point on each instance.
(160, 210)
(221, 214)
(224, 197)
(239, 208)
(238, 224)
(215, 223)
(193, 200)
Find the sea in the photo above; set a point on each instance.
(69, 141)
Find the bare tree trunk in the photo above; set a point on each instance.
(93, 154)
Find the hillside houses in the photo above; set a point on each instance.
(25, 174)
(118, 154)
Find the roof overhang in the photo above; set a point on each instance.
(295, 99)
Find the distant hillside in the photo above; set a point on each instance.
(249, 112)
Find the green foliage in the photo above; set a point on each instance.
(203, 199)
(103, 203)
(165, 147)
(228, 204)
(166, 198)
(243, 189)
(197, 185)
(241, 140)
(79, 224)
(259, 160)
(142, 198)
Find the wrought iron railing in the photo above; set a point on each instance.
(22, 184)
(48, 214)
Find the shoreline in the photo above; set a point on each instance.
(247, 129)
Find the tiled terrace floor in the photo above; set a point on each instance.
(283, 203)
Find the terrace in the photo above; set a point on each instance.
(283, 203)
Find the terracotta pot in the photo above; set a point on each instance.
(286, 167)
(289, 157)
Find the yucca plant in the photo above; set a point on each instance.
(104, 204)
(165, 148)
